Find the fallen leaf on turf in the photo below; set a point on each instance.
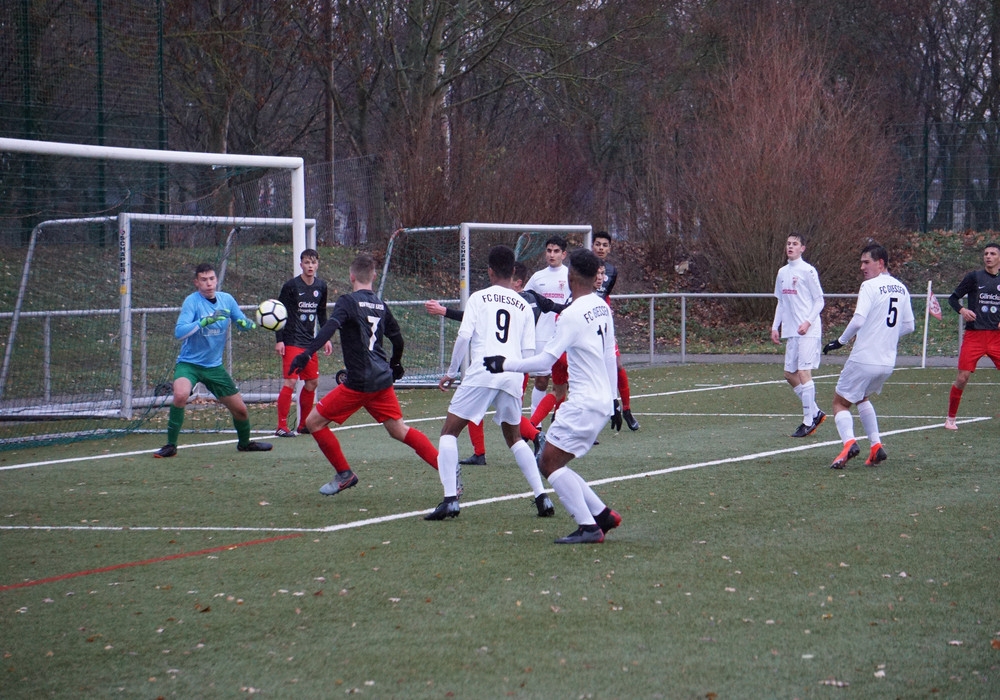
(995, 644)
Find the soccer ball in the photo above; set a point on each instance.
(271, 314)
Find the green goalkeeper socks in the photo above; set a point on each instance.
(174, 423)
(242, 431)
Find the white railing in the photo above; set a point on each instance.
(443, 347)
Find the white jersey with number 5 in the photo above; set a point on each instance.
(884, 303)
(585, 331)
(497, 321)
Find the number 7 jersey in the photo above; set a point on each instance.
(497, 321)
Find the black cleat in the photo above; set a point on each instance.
(302, 430)
(168, 450)
(254, 446)
(817, 421)
(283, 432)
(876, 456)
(802, 430)
(607, 520)
(539, 442)
(545, 507)
(585, 534)
(630, 420)
(850, 451)
(474, 459)
(445, 509)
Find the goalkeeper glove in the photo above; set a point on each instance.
(397, 371)
(494, 363)
(832, 345)
(298, 364)
(217, 316)
(246, 324)
(616, 417)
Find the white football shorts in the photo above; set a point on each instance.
(802, 352)
(858, 381)
(472, 403)
(575, 428)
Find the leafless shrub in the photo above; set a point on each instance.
(786, 148)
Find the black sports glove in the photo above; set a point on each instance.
(616, 418)
(494, 363)
(397, 371)
(298, 364)
(832, 345)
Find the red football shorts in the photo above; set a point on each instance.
(976, 344)
(560, 371)
(342, 403)
(311, 370)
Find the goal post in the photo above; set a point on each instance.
(447, 263)
(81, 346)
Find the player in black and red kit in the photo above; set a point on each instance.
(601, 246)
(304, 297)
(982, 318)
(364, 321)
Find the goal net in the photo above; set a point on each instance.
(94, 291)
(446, 263)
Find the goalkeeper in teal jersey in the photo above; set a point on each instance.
(202, 328)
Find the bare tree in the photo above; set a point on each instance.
(785, 148)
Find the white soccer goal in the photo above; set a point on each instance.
(82, 344)
(447, 263)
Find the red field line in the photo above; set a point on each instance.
(144, 562)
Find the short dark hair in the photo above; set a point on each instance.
(557, 240)
(308, 253)
(797, 234)
(363, 268)
(203, 268)
(520, 272)
(584, 263)
(877, 252)
(603, 234)
(991, 244)
(501, 261)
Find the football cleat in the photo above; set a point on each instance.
(474, 459)
(545, 507)
(876, 456)
(585, 534)
(539, 442)
(254, 446)
(630, 420)
(341, 482)
(950, 424)
(284, 432)
(302, 430)
(445, 509)
(817, 421)
(850, 451)
(802, 430)
(607, 519)
(168, 450)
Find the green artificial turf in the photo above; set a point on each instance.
(744, 566)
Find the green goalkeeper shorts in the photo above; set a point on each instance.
(215, 379)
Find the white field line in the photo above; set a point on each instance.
(483, 501)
